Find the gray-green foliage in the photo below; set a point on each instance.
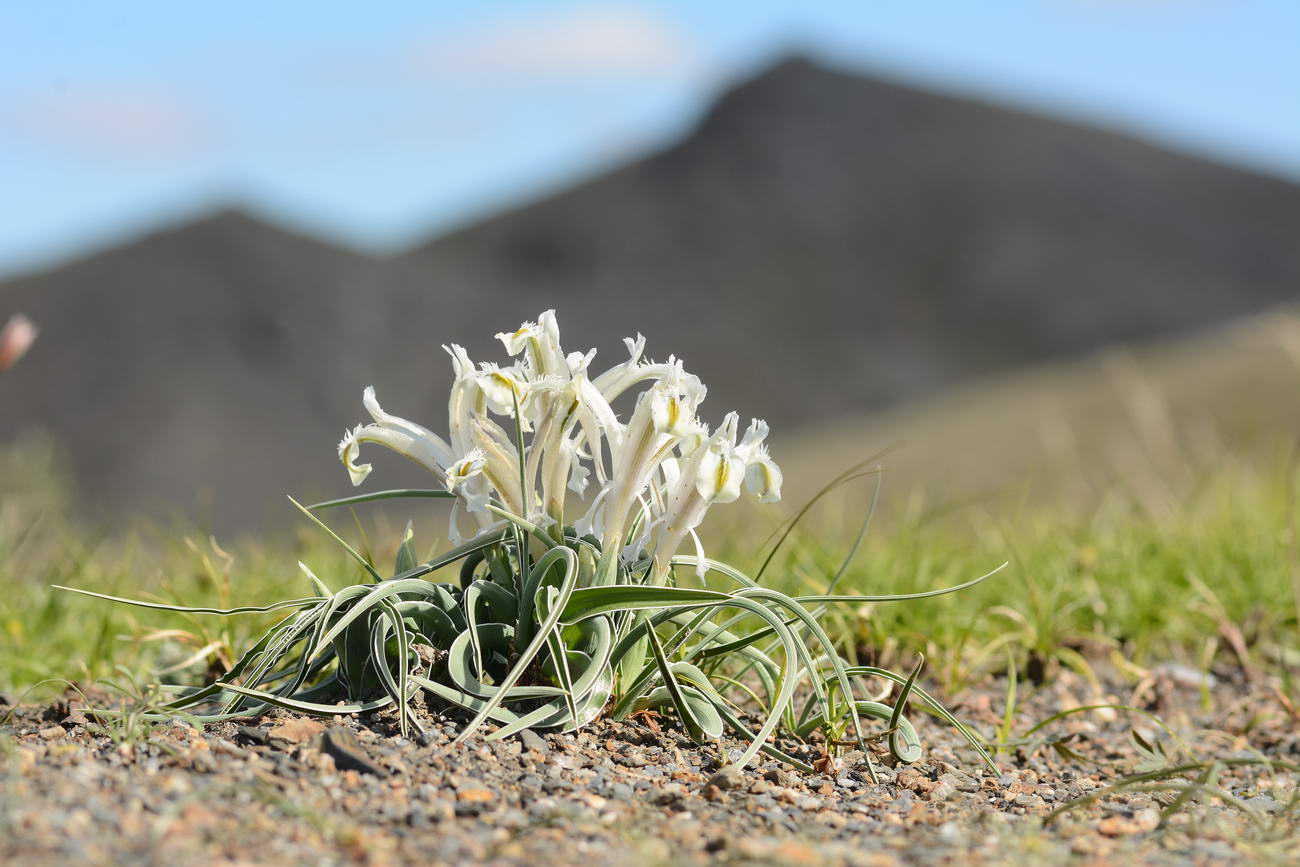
(542, 631)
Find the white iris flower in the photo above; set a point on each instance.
(655, 476)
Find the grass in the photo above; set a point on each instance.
(1200, 584)
(1117, 583)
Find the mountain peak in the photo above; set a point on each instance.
(795, 66)
(801, 90)
(793, 74)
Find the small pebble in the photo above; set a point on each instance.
(728, 777)
(533, 741)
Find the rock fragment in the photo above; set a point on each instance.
(342, 746)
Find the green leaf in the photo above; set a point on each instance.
(702, 718)
(430, 621)
(851, 474)
(684, 710)
(321, 588)
(592, 601)
(935, 706)
(560, 655)
(896, 716)
(308, 707)
(406, 559)
(367, 596)
(185, 609)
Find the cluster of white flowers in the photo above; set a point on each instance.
(655, 475)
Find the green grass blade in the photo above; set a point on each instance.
(397, 493)
(352, 552)
(902, 597)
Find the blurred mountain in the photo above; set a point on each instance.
(822, 245)
(208, 356)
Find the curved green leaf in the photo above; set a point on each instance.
(592, 601)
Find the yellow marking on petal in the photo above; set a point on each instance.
(506, 380)
(724, 470)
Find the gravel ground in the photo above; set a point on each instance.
(287, 789)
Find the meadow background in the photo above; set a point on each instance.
(1190, 566)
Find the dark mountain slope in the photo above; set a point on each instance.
(856, 243)
(216, 355)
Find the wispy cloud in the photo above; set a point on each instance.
(118, 124)
(598, 40)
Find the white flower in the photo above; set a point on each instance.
(518, 341)
(720, 474)
(503, 387)
(762, 475)
(465, 400)
(459, 473)
(763, 478)
(500, 464)
(540, 343)
(663, 416)
(710, 473)
(670, 412)
(619, 378)
(404, 437)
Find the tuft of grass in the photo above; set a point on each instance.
(1210, 579)
(1196, 780)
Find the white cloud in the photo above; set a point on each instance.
(125, 123)
(579, 41)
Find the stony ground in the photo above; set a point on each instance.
(287, 789)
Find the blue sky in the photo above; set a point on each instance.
(383, 125)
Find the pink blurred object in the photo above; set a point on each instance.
(19, 333)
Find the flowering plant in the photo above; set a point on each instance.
(552, 624)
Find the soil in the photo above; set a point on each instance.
(286, 789)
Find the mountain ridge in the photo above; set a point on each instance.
(820, 245)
